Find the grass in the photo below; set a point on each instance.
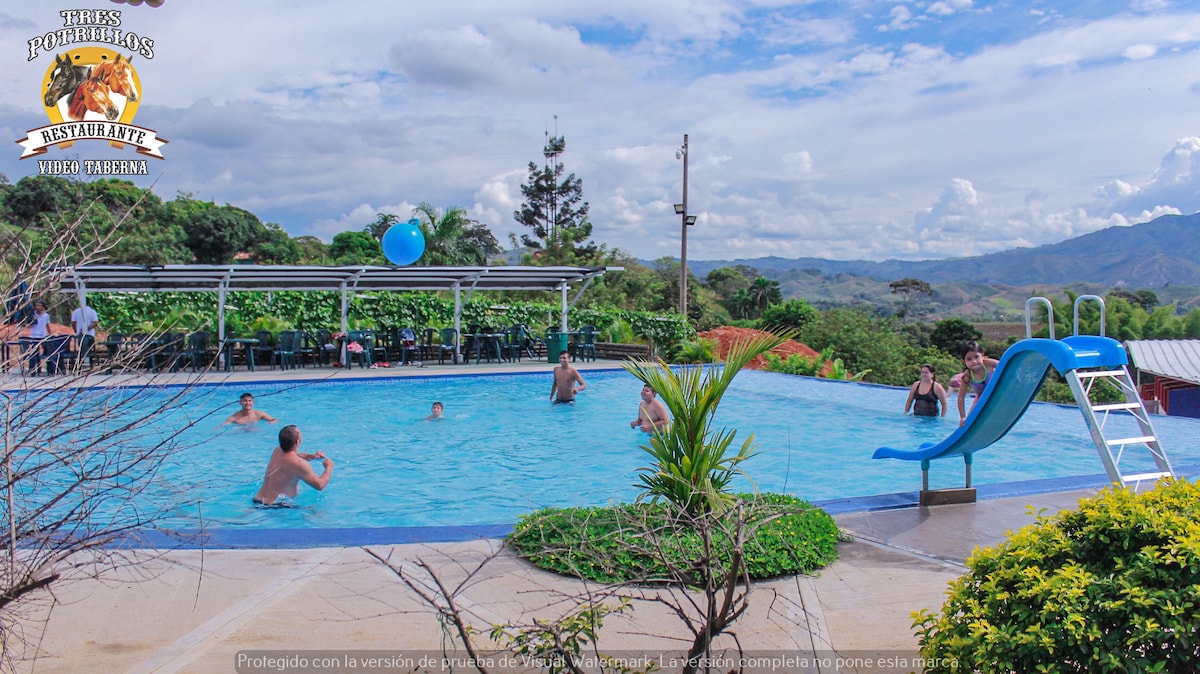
(648, 542)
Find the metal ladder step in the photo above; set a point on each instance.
(1133, 441)
(1099, 373)
(1142, 477)
(1116, 406)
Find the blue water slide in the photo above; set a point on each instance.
(1011, 388)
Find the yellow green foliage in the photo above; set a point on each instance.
(1111, 587)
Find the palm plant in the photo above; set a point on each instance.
(694, 463)
(453, 238)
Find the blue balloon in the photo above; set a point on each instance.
(403, 243)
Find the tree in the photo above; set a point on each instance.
(554, 210)
(274, 246)
(795, 313)
(355, 248)
(725, 282)
(1146, 299)
(910, 290)
(949, 335)
(453, 238)
(312, 250)
(380, 227)
(217, 234)
(762, 293)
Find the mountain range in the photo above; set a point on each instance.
(1162, 252)
(1162, 255)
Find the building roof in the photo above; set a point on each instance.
(1174, 358)
(196, 277)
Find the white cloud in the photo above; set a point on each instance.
(1139, 51)
(812, 132)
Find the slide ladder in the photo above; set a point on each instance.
(1096, 416)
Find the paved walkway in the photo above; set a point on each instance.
(202, 610)
(195, 611)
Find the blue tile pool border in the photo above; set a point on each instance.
(259, 539)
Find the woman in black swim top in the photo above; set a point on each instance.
(925, 395)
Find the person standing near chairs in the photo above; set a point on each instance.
(83, 321)
(563, 389)
(39, 330)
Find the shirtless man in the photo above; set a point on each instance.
(288, 466)
(563, 389)
(248, 415)
(652, 414)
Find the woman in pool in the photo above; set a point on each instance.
(926, 394)
(978, 368)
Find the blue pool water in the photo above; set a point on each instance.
(504, 450)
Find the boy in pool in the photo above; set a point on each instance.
(248, 415)
(435, 412)
(652, 414)
(563, 389)
(288, 466)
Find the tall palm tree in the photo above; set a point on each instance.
(453, 238)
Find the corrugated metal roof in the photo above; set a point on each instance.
(129, 278)
(1174, 358)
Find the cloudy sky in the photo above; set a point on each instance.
(842, 130)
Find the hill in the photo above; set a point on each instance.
(1162, 255)
(1159, 253)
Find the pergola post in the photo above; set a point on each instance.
(457, 323)
(563, 326)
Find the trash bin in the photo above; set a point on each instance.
(556, 343)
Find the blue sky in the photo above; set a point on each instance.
(842, 130)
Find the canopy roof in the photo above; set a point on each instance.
(197, 277)
(1174, 358)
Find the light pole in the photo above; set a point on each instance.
(686, 221)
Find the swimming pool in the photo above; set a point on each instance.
(504, 450)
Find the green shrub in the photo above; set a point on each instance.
(697, 350)
(806, 366)
(622, 543)
(1111, 587)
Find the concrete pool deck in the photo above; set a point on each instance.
(196, 610)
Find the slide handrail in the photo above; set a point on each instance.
(1079, 300)
(1049, 316)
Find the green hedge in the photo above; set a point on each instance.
(613, 544)
(1111, 587)
(140, 312)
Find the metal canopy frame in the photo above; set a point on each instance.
(347, 280)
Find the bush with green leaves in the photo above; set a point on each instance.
(798, 364)
(634, 542)
(697, 350)
(865, 343)
(793, 313)
(1113, 586)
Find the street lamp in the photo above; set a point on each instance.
(686, 221)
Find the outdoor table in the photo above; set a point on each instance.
(247, 344)
(487, 341)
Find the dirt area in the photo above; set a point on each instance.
(727, 336)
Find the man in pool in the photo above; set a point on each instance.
(288, 466)
(652, 414)
(248, 415)
(563, 390)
